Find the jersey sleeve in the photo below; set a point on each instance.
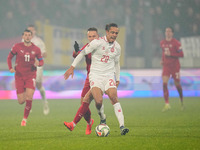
(179, 51)
(88, 49)
(11, 54)
(117, 65)
(93, 45)
(39, 57)
(78, 58)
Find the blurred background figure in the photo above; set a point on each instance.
(171, 52)
(39, 77)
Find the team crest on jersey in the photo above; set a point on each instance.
(103, 48)
(170, 45)
(112, 49)
(32, 52)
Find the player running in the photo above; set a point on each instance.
(25, 70)
(92, 33)
(104, 75)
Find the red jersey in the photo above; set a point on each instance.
(25, 59)
(174, 46)
(87, 59)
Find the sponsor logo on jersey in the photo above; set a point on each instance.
(32, 52)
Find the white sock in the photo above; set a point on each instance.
(24, 119)
(74, 124)
(42, 92)
(101, 113)
(119, 113)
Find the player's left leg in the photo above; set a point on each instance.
(179, 87)
(112, 94)
(165, 79)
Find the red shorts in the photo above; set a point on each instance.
(86, 87)
(22, 82)
(173, 71)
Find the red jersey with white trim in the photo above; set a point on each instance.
(87, 58)
(25, 58)
(174, 46)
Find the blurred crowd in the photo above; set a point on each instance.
(135, 15)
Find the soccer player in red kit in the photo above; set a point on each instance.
(171, 52)
(92, 33)
(28, 57)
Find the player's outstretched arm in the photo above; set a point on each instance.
(69, 72)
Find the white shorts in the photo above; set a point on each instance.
(102, 82)
(39, 74)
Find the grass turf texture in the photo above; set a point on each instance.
(149, 127)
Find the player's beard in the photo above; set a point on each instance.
(112, 39)
(27, 41)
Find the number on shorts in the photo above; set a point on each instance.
(112, 82)
(177, 74)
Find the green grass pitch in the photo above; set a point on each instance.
(150, 129)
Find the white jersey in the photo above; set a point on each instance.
(105, 57)
(39, 43)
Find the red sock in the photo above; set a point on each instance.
(87, 116)
(166, 93)
(81, 112)
(27, 108)
(180, 91)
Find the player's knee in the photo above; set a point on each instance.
(38, 85)
(114, 100)
(98, 105)
(29, 97)
(164, 85)
(21, 101)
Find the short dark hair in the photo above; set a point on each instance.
(26, 30)
(108, 26)
(92, 29)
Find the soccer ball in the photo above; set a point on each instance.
(102, 130)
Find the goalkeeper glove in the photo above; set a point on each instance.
(76, 46)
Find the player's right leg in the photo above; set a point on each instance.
(83, 109)
(19, 84)
(165, 79)
(98, 97)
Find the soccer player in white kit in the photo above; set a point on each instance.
(104, 75)
(39, 77)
